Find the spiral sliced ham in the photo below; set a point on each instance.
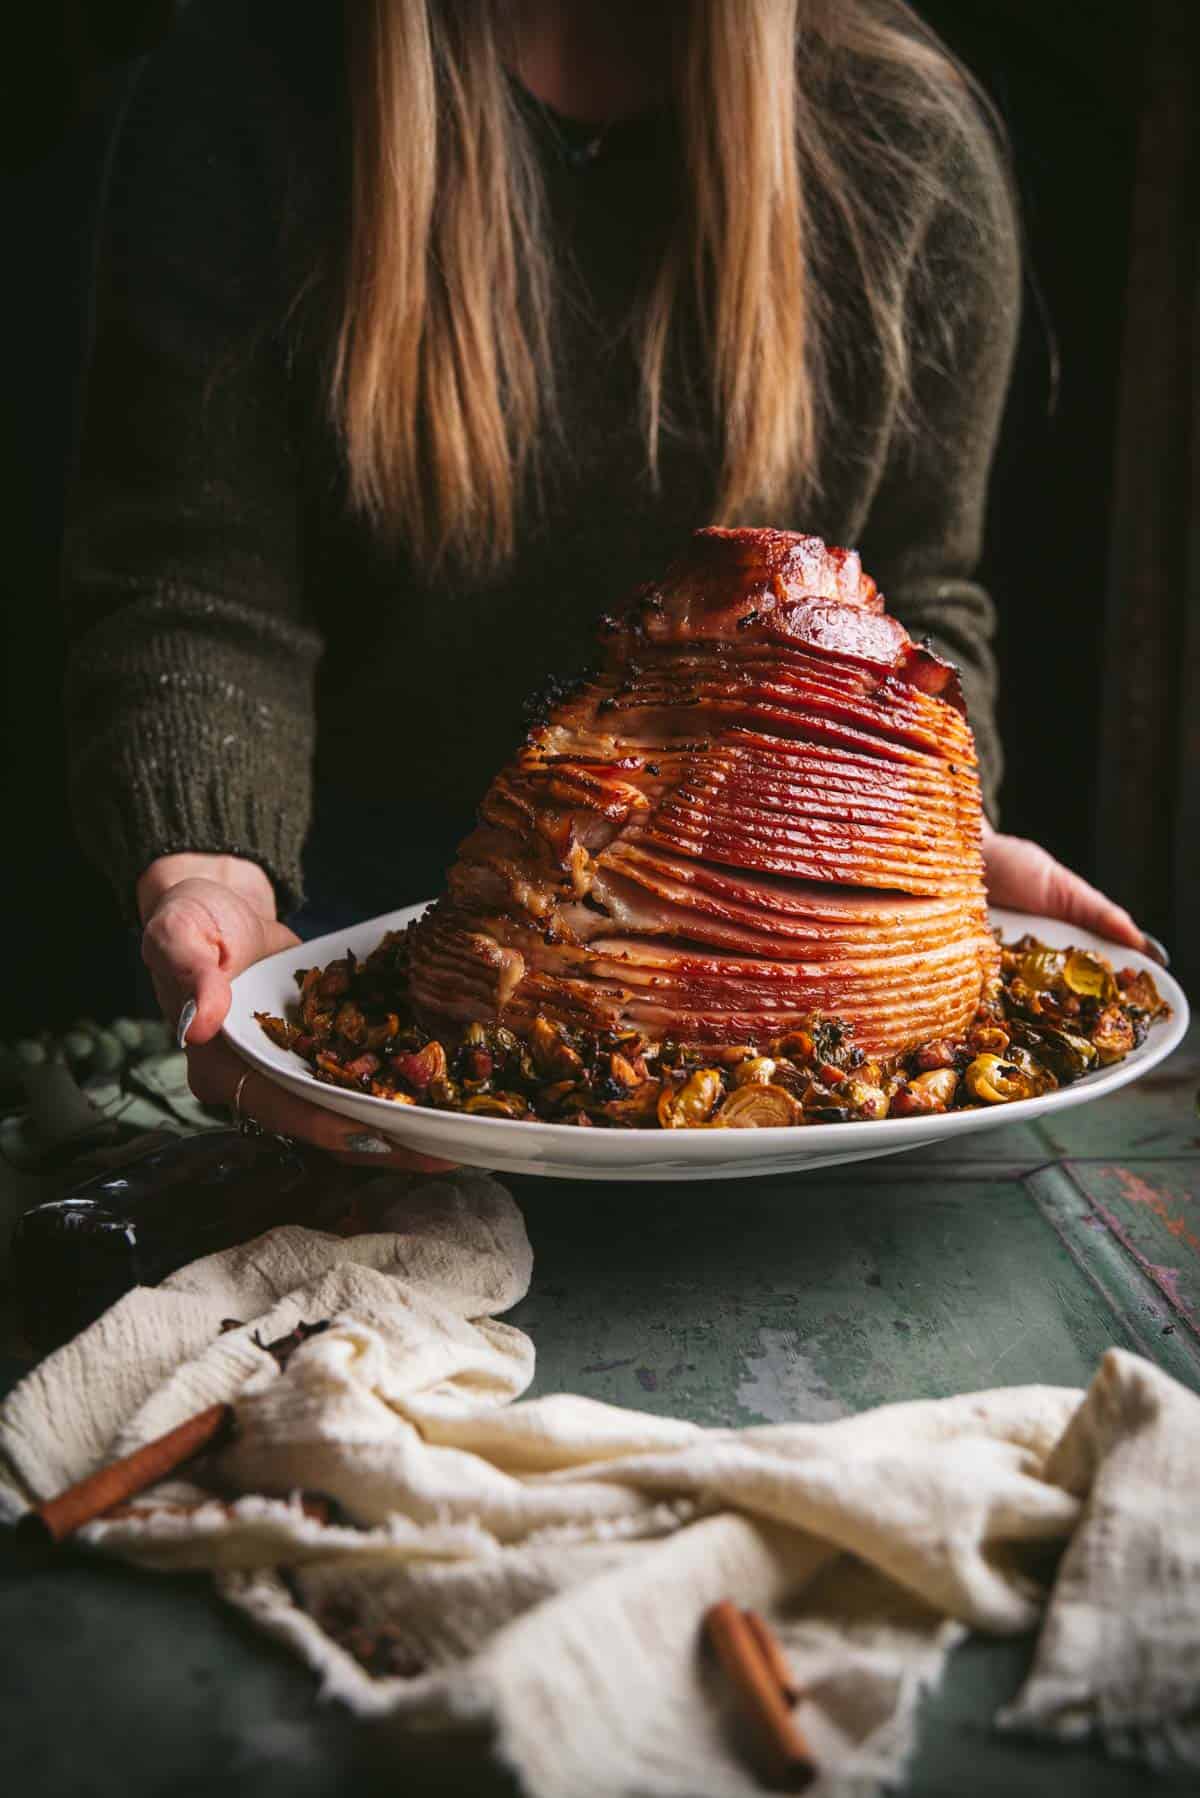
(763, 808)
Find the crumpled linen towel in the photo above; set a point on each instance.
(542, 1566)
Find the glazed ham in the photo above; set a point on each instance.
(762, 810)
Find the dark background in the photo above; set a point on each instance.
(1092, 542)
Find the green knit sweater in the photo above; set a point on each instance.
(236, 630)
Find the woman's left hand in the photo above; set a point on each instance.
(1025, 877)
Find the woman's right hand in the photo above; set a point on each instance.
(205, 918)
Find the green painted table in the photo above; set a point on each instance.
(1017, 1256)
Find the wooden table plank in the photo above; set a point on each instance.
(1152, 1208)
(805, 1296)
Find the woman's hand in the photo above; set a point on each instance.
(205, 918)
(1025, 877)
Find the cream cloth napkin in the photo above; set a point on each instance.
(542, 1567)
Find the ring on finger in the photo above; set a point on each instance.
(246, 1124)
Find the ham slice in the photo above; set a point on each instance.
(762, 809)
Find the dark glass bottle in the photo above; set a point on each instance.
(135, 1224)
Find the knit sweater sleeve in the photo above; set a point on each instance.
(191, 661)
(924, 533)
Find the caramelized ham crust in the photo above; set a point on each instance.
(763, 808)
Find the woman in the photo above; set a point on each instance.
(410, 359)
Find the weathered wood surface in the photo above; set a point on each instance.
(1017, 1256)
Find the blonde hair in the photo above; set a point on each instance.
(812, 131)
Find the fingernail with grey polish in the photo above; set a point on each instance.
(368, 1145)
(1157, 950)
(187, 1017)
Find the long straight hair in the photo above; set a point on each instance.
(793, 115)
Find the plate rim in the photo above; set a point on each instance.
(759, 1144)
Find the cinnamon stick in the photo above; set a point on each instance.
(788, 1759)
(772, 1652)
(60, 1517)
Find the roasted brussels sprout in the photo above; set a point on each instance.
(679, 1107)
(637, 1109)
(939, 1086)
(996, 1082)
(1067, 1054)
(1089, 976)
(795, 1080)
(444, 1095)
(863, 1100)
(1040, 967)
(497, 1105)
(759, 1106)
(553, 1056)
(624, 1071)
(1138, 989)
(1037, 1071)
(350, 1022)
(757, 1070)
(1113, 1035)
(925, 1095)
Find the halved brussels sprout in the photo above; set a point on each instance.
(759, 1106)
(925, 1095)
(1064, 1052)
(549, 1098)
(1089, 976)
(382, 1034)
(1044, 1081)
(280, 1033)
(623, 1071)
(938, 1086)
(680, 1108)
(350, 1021)
(1138, 989)
(552, 1054)
(1041, 967)
(1113, 1035)
(444, 1095)
(997, 1082)
(497, 1105)
(638, 1107)
(756, 1070)
(863, 1100)
(791, 1078)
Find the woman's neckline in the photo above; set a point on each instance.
(583, 142)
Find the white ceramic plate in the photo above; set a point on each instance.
(567, 1152)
